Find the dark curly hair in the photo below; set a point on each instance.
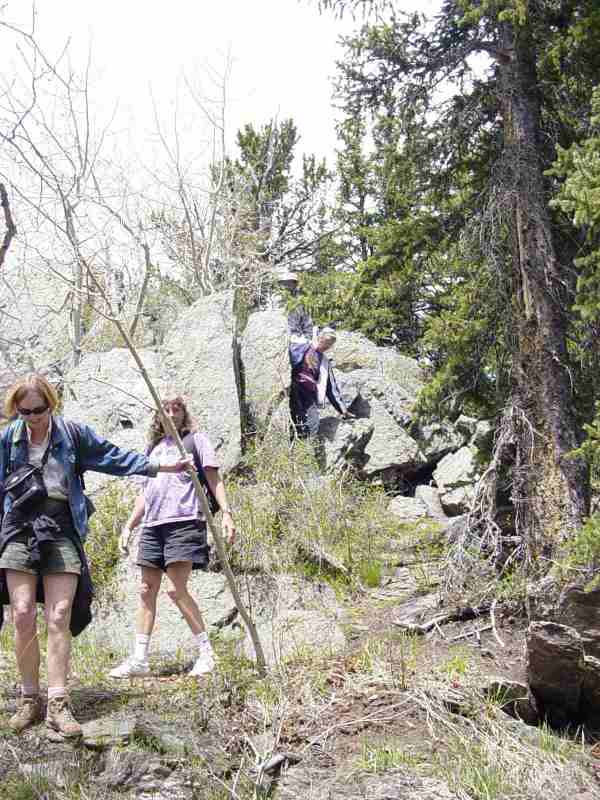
(156, 431)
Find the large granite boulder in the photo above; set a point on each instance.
(555, 667)
(581, 610)
(343, 441)
(380, 384)
(390, 448)
(407, 509)
(265, 363)
(439, 438)
(107, 392)
(430, 497)
(290, 613)
(355, 355)
(198, 360)
(456, 476)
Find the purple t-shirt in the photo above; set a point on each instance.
(170, 497)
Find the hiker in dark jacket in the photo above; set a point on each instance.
(313, 380)
(300, 325)
(41, 543)
(173, 539)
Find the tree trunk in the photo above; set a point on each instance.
(550, 489)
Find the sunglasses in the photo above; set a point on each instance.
(26, 412)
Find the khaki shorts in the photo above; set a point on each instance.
(60, 556)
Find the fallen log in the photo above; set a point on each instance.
(459, 614)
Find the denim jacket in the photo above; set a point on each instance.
(95, 454)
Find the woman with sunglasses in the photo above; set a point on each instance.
(41, 544)
(173, 539)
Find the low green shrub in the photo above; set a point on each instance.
(113, 507)
(20, 787)
(582, 553)
(291, 517)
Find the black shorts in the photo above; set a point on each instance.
(162, 545)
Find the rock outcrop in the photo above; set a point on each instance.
(265, 364)
(290, 613)
(198, 360)
(456, 476)
(563, 655)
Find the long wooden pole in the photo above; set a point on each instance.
(216, 533)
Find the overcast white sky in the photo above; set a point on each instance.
(283, 54)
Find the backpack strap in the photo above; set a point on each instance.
(189, 443)
(7, 439)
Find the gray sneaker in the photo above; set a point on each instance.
(130, 668)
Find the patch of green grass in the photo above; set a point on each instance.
(554, 744)
(113, 507)
(236, 677)
(312, 571)
(371, 573)
(310, 663)
(458, 663)
(390, 658)
(286, 510)
(470, 769)
(406, 651)
(20, 787)
(512, 586)
(378, 757)
(90, 661)
(267, 693)
(582, 554)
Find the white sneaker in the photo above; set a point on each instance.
(204, 663)
(130, 668)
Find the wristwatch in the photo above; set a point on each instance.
(227, 510)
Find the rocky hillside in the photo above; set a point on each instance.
(385, 678)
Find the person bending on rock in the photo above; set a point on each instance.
(173, 539)
(313, 380)
(44, 526)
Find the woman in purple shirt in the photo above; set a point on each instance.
(173, 540)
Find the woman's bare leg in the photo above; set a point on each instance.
(22, 593)
(178, 575)
(59, 591)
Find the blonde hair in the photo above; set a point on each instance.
(30, 383)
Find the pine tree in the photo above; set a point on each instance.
(493, 269)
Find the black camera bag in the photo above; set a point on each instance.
(25, 487)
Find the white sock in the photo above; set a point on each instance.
(29, 691)
(202, 641)
(142, 643)
(56, 691)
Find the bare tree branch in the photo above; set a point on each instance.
(11, 228)
(143, 290)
